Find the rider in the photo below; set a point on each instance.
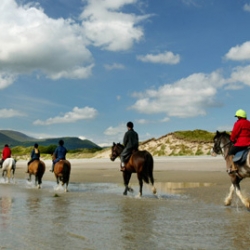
(59, 154)
(35, 155)
(240, 137)
(6, 153)
(131, 143)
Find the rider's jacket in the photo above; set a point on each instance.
(6, 153)
(131, 140)
(60, 153)
(240, 135)
(35, 154)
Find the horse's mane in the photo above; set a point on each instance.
(120, 145)
(224, 133)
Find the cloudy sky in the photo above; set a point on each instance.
(86, 67)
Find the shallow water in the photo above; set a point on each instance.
(98, 216)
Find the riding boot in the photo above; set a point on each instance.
(232, 168)
(52, 168)
(122, 167)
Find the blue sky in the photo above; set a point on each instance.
(85, 68)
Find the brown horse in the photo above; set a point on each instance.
(36, 168)
(62, 172)
(222, 145)
(140, 162)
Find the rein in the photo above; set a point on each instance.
(222, 147)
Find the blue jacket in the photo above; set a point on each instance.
(34, 154)
(60, 153)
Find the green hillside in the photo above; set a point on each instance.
(14, 139)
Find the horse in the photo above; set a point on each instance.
(8, 168)
(37, 168)
(140, 162)
(62, 171)
(222, 145)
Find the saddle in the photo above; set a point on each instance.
(241, 156)
(127, 157)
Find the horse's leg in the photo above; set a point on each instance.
(243, 199)
(8, 174)
(140, 184)
(39, 181)
(126, 179)
(13, 173)
(152, 182)
(66, 186)
(229, 197)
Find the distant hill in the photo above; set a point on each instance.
(15, 138)
(180, 143)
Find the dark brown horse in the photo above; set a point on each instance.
(140, 162)
(62, 172)
(37, 168)
(222, 145)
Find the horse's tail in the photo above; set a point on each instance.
(40, 172)
(148, 167)
(66, 172)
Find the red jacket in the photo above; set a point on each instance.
(240, 135)
(6, 153)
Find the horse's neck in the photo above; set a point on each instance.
(225, 147)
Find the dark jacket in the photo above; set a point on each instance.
(35, 154)
(60, 153)
(130, 142)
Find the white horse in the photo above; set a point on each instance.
(8, 169)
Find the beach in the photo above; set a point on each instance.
(188, 211)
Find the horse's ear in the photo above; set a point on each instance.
(113, 144)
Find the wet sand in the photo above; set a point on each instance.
(187, 213)
(182, 171)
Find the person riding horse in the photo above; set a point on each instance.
(59, 154)
(6, 153)
(240, 137)
(130, 142)
(35, 155)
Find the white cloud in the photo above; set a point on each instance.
(166, 119)
(6, 79)
(246, 7)
(241, 74)
(106, 26)
(114, 66)
(188, 97)
(165, 58)
(32, 41)
(8, 113)
(120, 129)
(239, 52)
(82, 138)
(75, 115)
(142, 121)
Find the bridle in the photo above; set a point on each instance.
(222, 148)
(115, 150)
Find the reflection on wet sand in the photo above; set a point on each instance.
(5, 206)
(177, 187)
(97, 216)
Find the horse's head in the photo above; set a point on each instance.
(116, 150)
(221, 141)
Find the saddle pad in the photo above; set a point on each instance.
(241, 156)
